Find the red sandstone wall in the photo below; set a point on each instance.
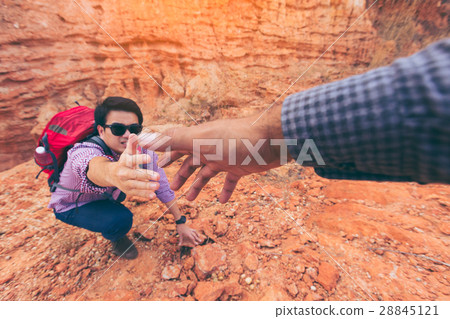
(212, 57)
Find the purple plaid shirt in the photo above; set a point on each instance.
(74, 176)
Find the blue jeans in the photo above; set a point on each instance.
(110, 218)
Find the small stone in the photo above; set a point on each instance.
(8, 257)
(170, 227)
(208, 291)
(60, 291)
(188, 263)
(275, 293)
(248, 280)
(313, 288)
(317, 297)
(85, 273)
(312, 272)
(61, 267)
(191, 286)
(181, 288)
(252, 286)
(292, 289)
(208, 259)
(328, 276)
(229, 214)
(142, 233)
(193, 214)
(251, 262)
(444, 228)
(300, 269)
(232, 291)
(147, 291)
(269, 243)
(221, 228)
(171, 272)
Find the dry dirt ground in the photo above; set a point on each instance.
(285, 235)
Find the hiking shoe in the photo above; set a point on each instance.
(125, 248)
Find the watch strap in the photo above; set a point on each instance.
(182, 220)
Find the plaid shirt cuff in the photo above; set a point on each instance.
(391, 123)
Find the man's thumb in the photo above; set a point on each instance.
(131, 144)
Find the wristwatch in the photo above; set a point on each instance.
(182, 220)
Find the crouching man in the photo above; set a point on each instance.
(103, 180)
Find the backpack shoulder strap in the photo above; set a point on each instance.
(97, 140)
(54, 179)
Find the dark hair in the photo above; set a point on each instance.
(115, 103)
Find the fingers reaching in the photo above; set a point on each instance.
(202, 178)
(185, 171)
(228, 188)
(178, 142)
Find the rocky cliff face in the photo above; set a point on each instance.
(216, 59)
(212, 57)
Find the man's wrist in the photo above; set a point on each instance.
(181, 220)
(271, 122)
(268, 126)
(102, 172)
(111, 178)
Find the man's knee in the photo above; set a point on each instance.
(121, 222)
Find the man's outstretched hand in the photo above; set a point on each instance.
(246, 149)
(126, 173)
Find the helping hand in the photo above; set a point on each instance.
(129, 178)
(235, 135)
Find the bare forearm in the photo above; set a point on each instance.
(269, 122)
(100, 171)
(173, 209)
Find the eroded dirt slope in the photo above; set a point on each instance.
(382, 234)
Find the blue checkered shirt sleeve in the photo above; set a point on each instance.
(391, 123)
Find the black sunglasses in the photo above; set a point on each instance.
(118, 129)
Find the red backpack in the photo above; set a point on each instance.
(61, 133)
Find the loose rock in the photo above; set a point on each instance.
(328, 276)
(208, 259)
(171, 272)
